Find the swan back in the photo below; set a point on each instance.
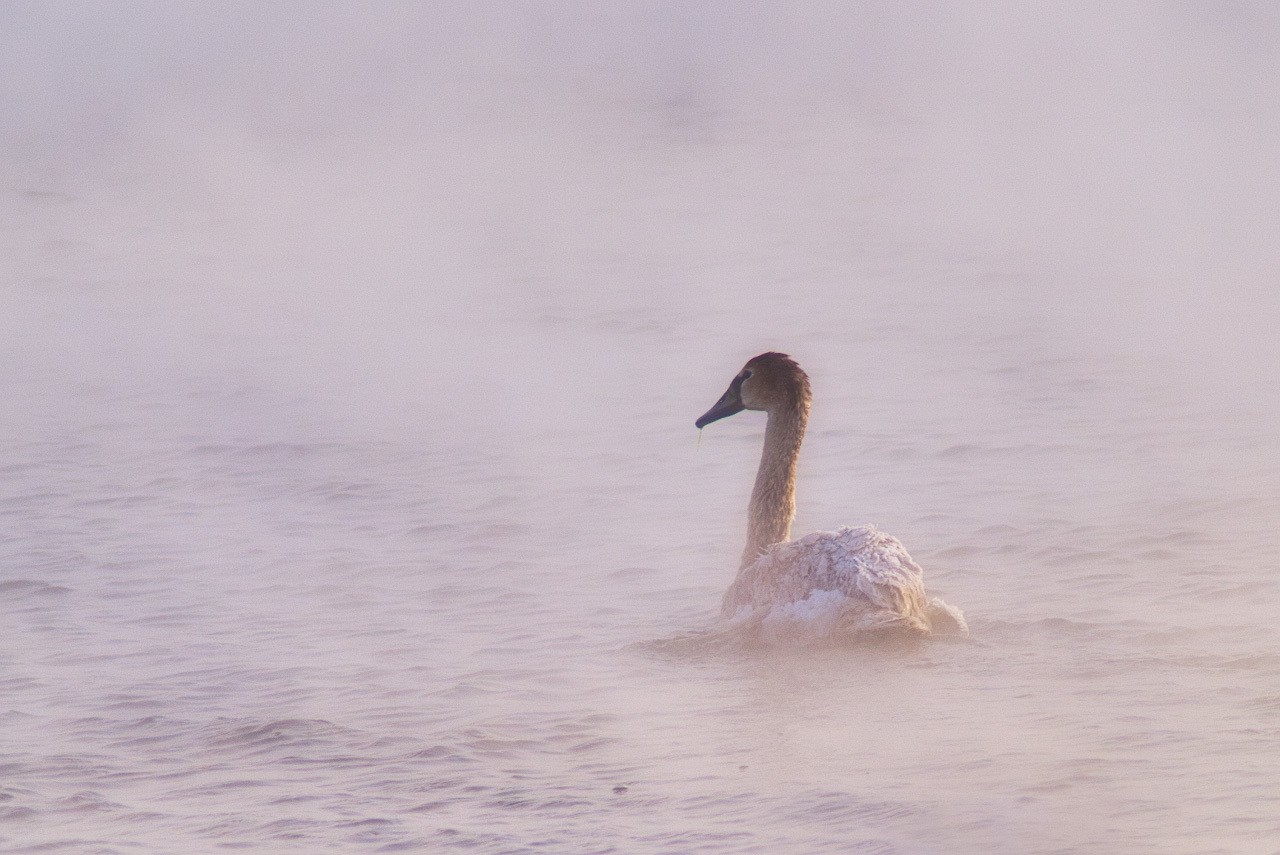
(851, 580)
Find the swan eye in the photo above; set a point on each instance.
(746, 375)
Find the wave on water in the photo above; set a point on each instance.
(810, 624)
(15, 588)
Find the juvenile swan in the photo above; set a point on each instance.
(851, 580)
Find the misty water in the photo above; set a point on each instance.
(351, 499)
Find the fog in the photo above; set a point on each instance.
(352, 356)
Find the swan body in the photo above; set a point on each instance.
(853, 580)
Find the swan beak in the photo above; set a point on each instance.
(730, 402)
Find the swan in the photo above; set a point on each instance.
(853, 580)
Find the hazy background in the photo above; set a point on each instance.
(352, 352)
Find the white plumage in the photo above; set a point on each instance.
(833, 582)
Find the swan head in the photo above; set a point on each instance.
(769, 382)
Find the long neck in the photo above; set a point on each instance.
(773, 501)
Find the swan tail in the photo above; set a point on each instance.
(945, 619)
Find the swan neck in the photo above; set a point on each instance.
(773, 501)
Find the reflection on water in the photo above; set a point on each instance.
(350, 496)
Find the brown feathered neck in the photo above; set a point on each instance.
(783, 388)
